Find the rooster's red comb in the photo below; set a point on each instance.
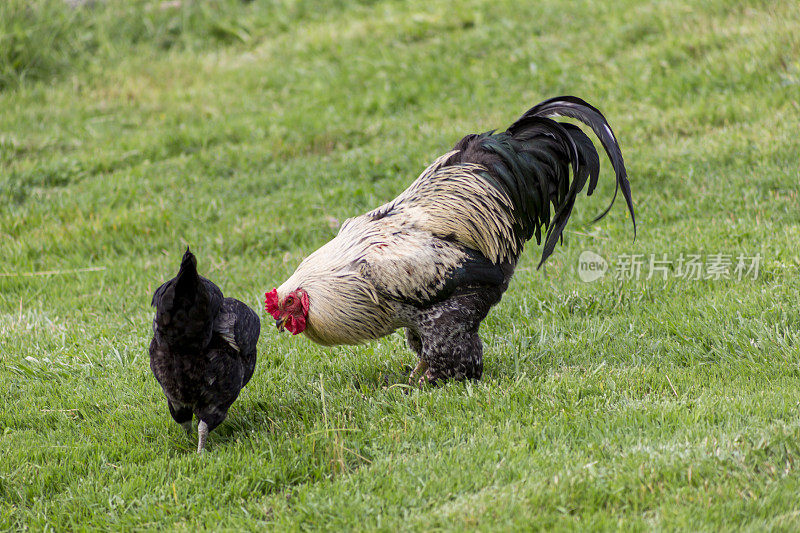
(271, 303)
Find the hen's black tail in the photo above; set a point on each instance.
(186, 307)
(530, 162)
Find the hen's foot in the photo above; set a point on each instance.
(202, 434)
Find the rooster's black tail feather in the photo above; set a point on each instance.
(530, 163)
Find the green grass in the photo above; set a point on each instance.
(250, 130)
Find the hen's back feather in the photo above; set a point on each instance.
(186, 307)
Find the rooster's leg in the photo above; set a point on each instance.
(449, 333)
(187, 427)
(202, 433)
(421, 367)
(461, 357)
(415, 343)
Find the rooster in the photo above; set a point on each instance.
(203, 350)
(435, 259)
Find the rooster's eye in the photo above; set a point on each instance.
(289, 300)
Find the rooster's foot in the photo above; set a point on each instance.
(421, 367)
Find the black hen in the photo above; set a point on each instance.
(203, 350)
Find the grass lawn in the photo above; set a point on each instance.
(249, 131)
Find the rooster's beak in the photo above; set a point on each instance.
(279, 323)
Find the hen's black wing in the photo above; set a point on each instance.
(239, 326)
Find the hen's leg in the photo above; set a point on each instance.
(202, 434)
(210, 417)
(182, 414)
